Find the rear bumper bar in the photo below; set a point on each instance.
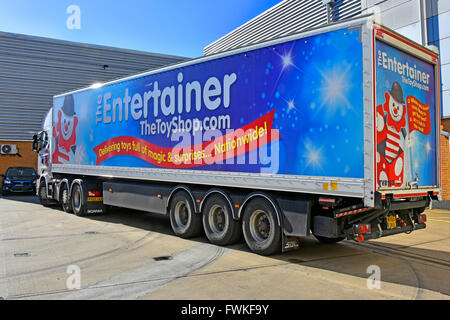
(384, 233)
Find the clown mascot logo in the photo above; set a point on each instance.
(64, 132)
(391, 138)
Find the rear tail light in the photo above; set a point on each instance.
(94, 193)
(362, 228)
(422, 218)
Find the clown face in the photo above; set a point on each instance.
(395, 109)
(67, 124)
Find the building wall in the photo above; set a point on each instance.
(287, 17)
(425, 21)
(28, 159)
(34, 69)
(445, 160)
(445, 167)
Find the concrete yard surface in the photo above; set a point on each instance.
(127, 254)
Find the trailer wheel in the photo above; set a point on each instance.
(328, 240)
(259, 225)
(220, 227)
(185, 222)
(65, 199)
(77, 200)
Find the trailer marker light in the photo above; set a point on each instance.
(236, 206)
(198, 200)
(94, 193)
(159, 196)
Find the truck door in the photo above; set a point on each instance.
(406, 115)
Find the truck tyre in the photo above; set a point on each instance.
(329, 240)
(64, 199)
(42, 194)
(220, 227)
(183, 219)
(259, 225)
(77, 200)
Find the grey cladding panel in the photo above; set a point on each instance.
(289, 16)
(136, 196)
(34, 69)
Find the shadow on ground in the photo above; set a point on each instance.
(399, 264)
(25, 197)
(420, 268)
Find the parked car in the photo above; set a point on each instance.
(19, 180)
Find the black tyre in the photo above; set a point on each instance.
(260, 227)
(328, 240)
(65, 199)
(218, 223)
(78, 201)
(183, 219)
(42, 194)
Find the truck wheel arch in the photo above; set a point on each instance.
(60, 184)
(43, 181)
(222, 193)
(80, 182)
(264, 196)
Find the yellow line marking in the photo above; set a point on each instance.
(438, 220)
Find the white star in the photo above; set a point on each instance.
(313, 156)
(335, 90)
(286, 61)
(291, 105)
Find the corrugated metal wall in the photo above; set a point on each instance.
(289, 16)
(34, 69)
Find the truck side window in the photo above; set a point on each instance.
(44, 140)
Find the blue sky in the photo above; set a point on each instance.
(179, 27)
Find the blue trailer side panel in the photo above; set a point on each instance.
(295, 108)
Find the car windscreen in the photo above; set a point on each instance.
(20, 172)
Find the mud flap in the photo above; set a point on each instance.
(289, 243)
(93, 193)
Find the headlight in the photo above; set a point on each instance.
(7, 181)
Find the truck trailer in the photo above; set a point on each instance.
(333, 132)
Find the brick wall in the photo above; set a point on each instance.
(28, 159)
(445, 160)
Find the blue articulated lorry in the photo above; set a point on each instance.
(332, 132)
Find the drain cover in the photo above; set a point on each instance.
(162, 258)
(23, 254)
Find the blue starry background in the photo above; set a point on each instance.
(314, 84)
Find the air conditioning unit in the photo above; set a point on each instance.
(8, 149)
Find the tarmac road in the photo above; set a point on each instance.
(133, 255)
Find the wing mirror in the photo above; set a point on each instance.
(35, 143)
